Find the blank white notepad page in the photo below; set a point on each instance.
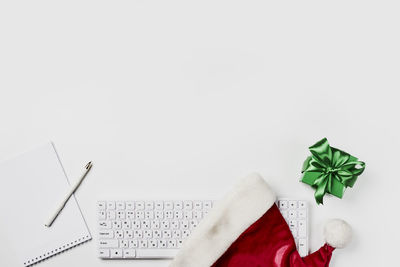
(32, 185)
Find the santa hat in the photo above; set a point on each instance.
(247, 229)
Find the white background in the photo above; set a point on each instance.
(181, 98)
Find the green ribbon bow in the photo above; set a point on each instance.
(330, 170)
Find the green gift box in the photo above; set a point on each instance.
(330, 170)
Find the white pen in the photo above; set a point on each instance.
(67, 197)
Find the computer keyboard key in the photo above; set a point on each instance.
(155, 224)
(129, 253)
(119, 234)
(110, 205)
(178, 214)
(165, 224)
(198, 205)
(120, 205)
(104, 224)
(104, 253)
(302, 214)
(133, 243)
(169, 214)
(178, 205)
(179, 243)
(166, 234)
(105, 234)
(140, 214)
(136, 224)
(197, 215)
(302, 247)
(187, 205)
(292, 204)
(111, 215)
(101, 205)
(130, 205)
(193, 224)
(116, 253)
(156, 253)
(123, 244)
(143, 243)
(292, 223)
(302, 204)
(156, 233)
(175, 224)
(153, 243)
(168, 205)
(117, 224)
(130, 215)
(176, 234)
(102, 215)
(146, 224)
(283, 204)
(158, 214)
(162, 243)
(149, 205)
(207, 204)
(128, 234)
(185, 233)
(149, 214)
(302, 228)
(184, 224)
(120, 214)
(292, 213)
(138, 234)
(148, 234)
(171, 243)
(159, 205)
(188, 214)
(109, 243)
(139, 205)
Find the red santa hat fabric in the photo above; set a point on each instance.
(246, 229)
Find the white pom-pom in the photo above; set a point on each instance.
(337, 233)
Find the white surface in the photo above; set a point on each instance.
(191, 95)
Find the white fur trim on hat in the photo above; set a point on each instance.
(229, 218)
(337, 233)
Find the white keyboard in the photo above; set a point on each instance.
(157, 229)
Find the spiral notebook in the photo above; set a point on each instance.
(31, 186)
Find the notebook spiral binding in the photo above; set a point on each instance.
(58, 250)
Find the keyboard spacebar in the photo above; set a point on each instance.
(156, 253)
